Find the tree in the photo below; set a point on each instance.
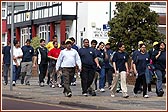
(133, 22)
(35, 42)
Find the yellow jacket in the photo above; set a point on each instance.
(50, 45)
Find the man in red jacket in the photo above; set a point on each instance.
(53, 55)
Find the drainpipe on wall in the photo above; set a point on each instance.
(76, 21)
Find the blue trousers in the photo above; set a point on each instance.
(16, 72)
(102, 78)
(160, 75)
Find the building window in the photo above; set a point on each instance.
(3, 4)
(3, 13)
(24, 35)
(67, 31)
(158, 3)
(43, 32)
(4, 39)
(41, 4)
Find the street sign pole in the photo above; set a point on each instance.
(12, 36)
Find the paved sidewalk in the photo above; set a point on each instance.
(103, 101)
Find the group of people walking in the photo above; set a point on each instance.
(63, 62)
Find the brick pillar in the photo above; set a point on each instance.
(62, 30)
(18, 33)
(52, 30)
(34, 31)
(9, 34)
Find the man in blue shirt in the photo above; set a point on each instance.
(88, 59)
(108, 68)
(6, 61)
(26, 65)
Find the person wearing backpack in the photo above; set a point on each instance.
(159, 62)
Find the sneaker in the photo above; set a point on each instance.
(146, 96)
(125, 95)
(102, 90)
(4, 83)
(73, 84)
(135, 95)
(22, 81)
(160, 93)
(53, 86)
(28, 83)
(112, 94)
(85, 94)
(69, 94)
(13, 83)
(93, 93)
(41, 84)
(59, 85)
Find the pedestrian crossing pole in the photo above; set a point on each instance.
(12, 38)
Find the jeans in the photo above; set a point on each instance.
(148, 75)
(16, 72)
(160, 75)
(102, 77)
(5, 72)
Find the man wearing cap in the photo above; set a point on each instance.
(150, 52)
(134, 58)
(74, 46)
(26, 65)
(67, 61)
(108, 68)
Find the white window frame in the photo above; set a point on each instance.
(5, 13)
(24, 35)
(43, 32)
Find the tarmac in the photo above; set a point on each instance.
(102, 101)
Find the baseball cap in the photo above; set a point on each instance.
(155, 43)
(107, 43)
(140, 42)
(68, 41)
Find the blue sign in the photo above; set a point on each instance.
(106, 27)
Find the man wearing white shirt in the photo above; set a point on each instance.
(67, 60)
(17, 58)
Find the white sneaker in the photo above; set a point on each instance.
(146, 96)
(13, 83)
(53, 86)
(85, 94)
(102, 90)
(112, 95)
(59, 85)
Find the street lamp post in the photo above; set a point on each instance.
(12, 36)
